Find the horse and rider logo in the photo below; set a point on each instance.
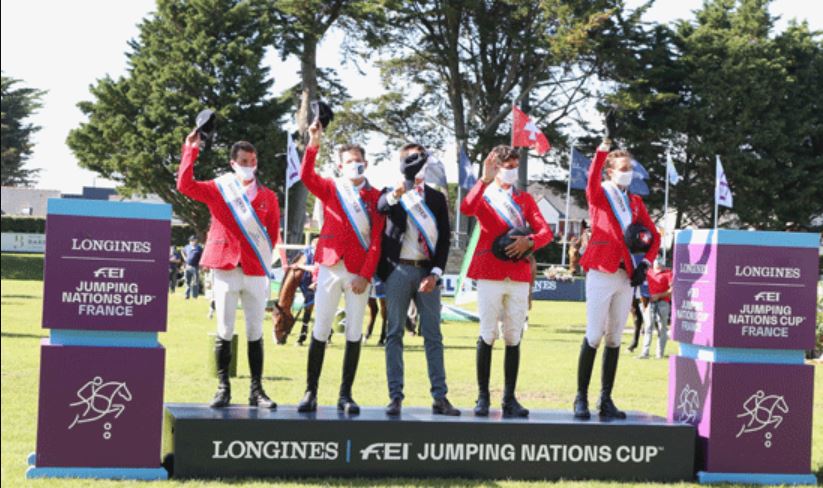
(761, 411)
(98, 399)
(688, 405)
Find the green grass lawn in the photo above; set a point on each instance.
(547, 378)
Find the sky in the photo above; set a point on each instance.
(63, 47)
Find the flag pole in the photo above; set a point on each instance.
(666, 204)
(716, 187)
(457, 218)
(568, 198)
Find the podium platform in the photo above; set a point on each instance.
(240, 441)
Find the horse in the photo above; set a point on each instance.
(281, 310)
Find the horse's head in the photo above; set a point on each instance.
(781, 405)
(123, 392)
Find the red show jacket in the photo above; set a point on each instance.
(226, 247)
(484, 265)
(337, 238)
(607, 246)
(660, 282)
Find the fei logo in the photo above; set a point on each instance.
(759, 412)
(114, 273)
(688, 404)
(386, 451)
(767, 296)
(98, 398)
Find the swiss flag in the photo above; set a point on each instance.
(526, 134)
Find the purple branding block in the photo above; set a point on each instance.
(745, 289)
(104, 273)
(100, 406)
(750, 418)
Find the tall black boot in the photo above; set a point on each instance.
(257, 397)
(304, 332)
(484, 366)
(317, 351)
(222, 352)
(606, 405)
(585, 364)
(350, 359)
(382, 341)
(511, 407)
(638, 323)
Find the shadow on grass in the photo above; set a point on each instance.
(421, 347)
(266, 378)
(14, 335)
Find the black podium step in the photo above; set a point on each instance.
(250, 442)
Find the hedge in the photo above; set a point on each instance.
(37, 225)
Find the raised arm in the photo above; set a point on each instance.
(595, 184)
(471, 204)
(320, 187)
(201, 191)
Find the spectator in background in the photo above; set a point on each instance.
(660, 297)
(175, 259)
(191, 254)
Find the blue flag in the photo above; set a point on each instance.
(580, 170)
(466, 175)
(638, 185)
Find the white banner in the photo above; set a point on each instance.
(20, 242)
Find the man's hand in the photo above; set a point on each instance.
(520, 245)
(315, 133)
(427, 284)
(399, 190)
(193, 139)
(639, 274)
(489, 168)
(359, 285)
(605, 146)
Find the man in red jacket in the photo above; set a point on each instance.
(348, 250)
(502, 285)
(245, 226)
(610, 272)
(659, 308)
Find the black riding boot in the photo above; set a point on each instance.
(606, 405)
(484, 365)
(638, 324)
(350, 359)
(585, 364)
(222, 351)
(257, 397)
(317, 351)
(511, 407)
(304, 332)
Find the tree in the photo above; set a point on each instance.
(18, 104)
(725, 85)
(190, 55)
(300, 26)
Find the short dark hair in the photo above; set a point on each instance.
(241, 146)
(505, 153)
(350, 147)
(617, 154)
(404, 151)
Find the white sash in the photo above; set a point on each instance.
(356, 211)
(619, 202)
(238, 202)
(422, 217)
(505, 206)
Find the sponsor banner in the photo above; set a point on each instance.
(106, 273)
(750, 418)
(100, 406)
(248, 442)
(742, 295)
(21, 242)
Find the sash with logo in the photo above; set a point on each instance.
(505, 206)
(422, 216)
(619, 202)
(355, 209)
(255, 233)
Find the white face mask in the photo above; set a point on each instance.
(245, 173)
(622, 178)
(508, 176)
(353, 170)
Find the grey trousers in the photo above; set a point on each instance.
(401, 289)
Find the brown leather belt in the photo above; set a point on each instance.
(422, 263)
